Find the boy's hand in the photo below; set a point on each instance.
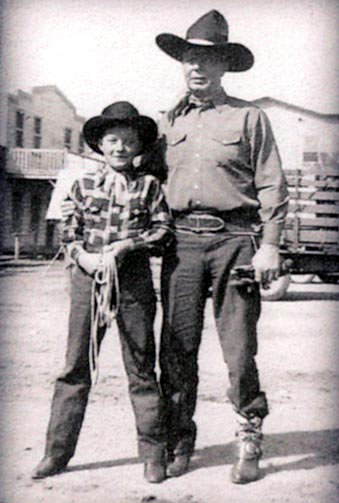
(266, 263)
(67, 208)
(116, 250)
(89, 262)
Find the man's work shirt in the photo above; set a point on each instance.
(110, 206)
(222, 158)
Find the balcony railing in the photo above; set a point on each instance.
(35, 163)
(45, 163)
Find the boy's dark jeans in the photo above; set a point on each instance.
(196, 262)
(135, 322)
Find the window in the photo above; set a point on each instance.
(310, 153)
(68, 138)
(19, 128)
(37, 132)
(20, 119)
(81, 148)
(310, 157)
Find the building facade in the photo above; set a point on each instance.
(44, 119)
(43, 136)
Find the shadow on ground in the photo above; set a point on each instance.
(104, 464)
(319, 448)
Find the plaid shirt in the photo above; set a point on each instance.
(111, 207)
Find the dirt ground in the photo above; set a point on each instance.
(298, 361)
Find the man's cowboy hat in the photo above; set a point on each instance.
(119, 113)
(211, 33)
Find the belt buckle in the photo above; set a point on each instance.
(221, 225)
(201, 228)
(217, 223)
(196, 227)
(196, 224)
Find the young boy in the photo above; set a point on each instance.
(120, 214)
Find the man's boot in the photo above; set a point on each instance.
(249, 451)
(154, 471)
(178, 465)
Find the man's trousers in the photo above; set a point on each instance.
(196, 263)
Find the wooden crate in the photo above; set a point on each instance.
(312, 223)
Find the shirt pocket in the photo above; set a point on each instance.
(228, 146)
(176, 140)
(176, 150)
(92, 211)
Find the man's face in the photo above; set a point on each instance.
(120, 144)
(202, 71)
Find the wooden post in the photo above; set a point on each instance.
(16, 247)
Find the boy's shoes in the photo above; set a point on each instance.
(178, 466)
(154, 471)
(246, 468)
(49, 466)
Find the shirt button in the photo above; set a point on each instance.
(196, 186)
(197, 155)
(199, 126)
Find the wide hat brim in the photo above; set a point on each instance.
(238, 57)
(93, 129)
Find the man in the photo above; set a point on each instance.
(226, 190)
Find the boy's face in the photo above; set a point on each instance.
(120, 144)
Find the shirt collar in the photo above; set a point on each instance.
(183, 106)
(217, 100)
(107, 175)
(220, 99)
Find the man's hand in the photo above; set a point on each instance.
(67, 208)
(89, 262)
(266, 263)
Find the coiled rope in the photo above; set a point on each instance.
(105, 302)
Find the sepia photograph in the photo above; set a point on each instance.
(169, 251)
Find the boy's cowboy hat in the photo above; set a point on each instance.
(211, 33)
(119, 113)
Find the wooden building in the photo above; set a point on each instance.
(44, 136)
